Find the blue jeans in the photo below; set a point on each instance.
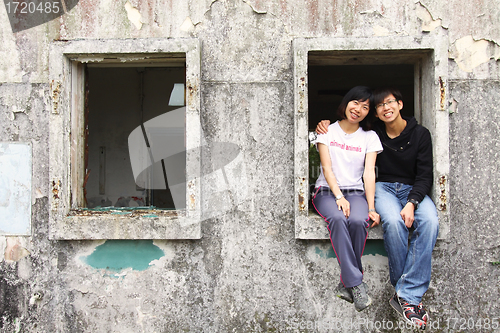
(347, 235)
(409, 264)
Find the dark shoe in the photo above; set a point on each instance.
(409, 312)
(422, 312)
(394, 302)
(343, 293)
(360, 297)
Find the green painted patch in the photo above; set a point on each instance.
(116, 255)
(373, 247)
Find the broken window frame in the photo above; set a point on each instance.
(67, 219)
(429, 57)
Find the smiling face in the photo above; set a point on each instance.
(356, 111)
(389, 109)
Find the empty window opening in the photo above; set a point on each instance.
(124, 132)
(135, 138)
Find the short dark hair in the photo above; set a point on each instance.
(380, 94)
(358, 93)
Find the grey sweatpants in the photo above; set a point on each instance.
(348, 235)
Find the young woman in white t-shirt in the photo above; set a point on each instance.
(345, 190)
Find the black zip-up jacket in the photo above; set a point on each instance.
(407, 158)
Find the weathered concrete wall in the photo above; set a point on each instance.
(248, 273)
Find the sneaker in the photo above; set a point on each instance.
(343, 293)
(409, 312)
(422, 312)
(360, 297)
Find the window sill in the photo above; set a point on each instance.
(314, 227)
(121, 224)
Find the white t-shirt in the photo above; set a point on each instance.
(347, 153)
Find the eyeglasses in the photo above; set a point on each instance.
(381, 105)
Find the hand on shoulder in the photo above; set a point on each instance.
(322, 127)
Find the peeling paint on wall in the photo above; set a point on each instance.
(14, 111)
(380, 31)
(187, 25)
(17, 104)
(453, 106)
(469, 53)
(254, 7)
(14, 251)
(442, 93)
(133, 15)
(428, 23)
(117, 255)
(442, 197)
(55, 87)
(302, 194)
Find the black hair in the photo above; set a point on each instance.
(380, 94)
(358, 93)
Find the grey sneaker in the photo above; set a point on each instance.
(343, 293)
(360, 297)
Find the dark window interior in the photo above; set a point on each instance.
(328, 84)
(120, 101)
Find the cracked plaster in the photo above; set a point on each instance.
(469, 53)
(428, 22)
(461, 18)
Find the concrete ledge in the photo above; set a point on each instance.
(314, 227)
(120, 225)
